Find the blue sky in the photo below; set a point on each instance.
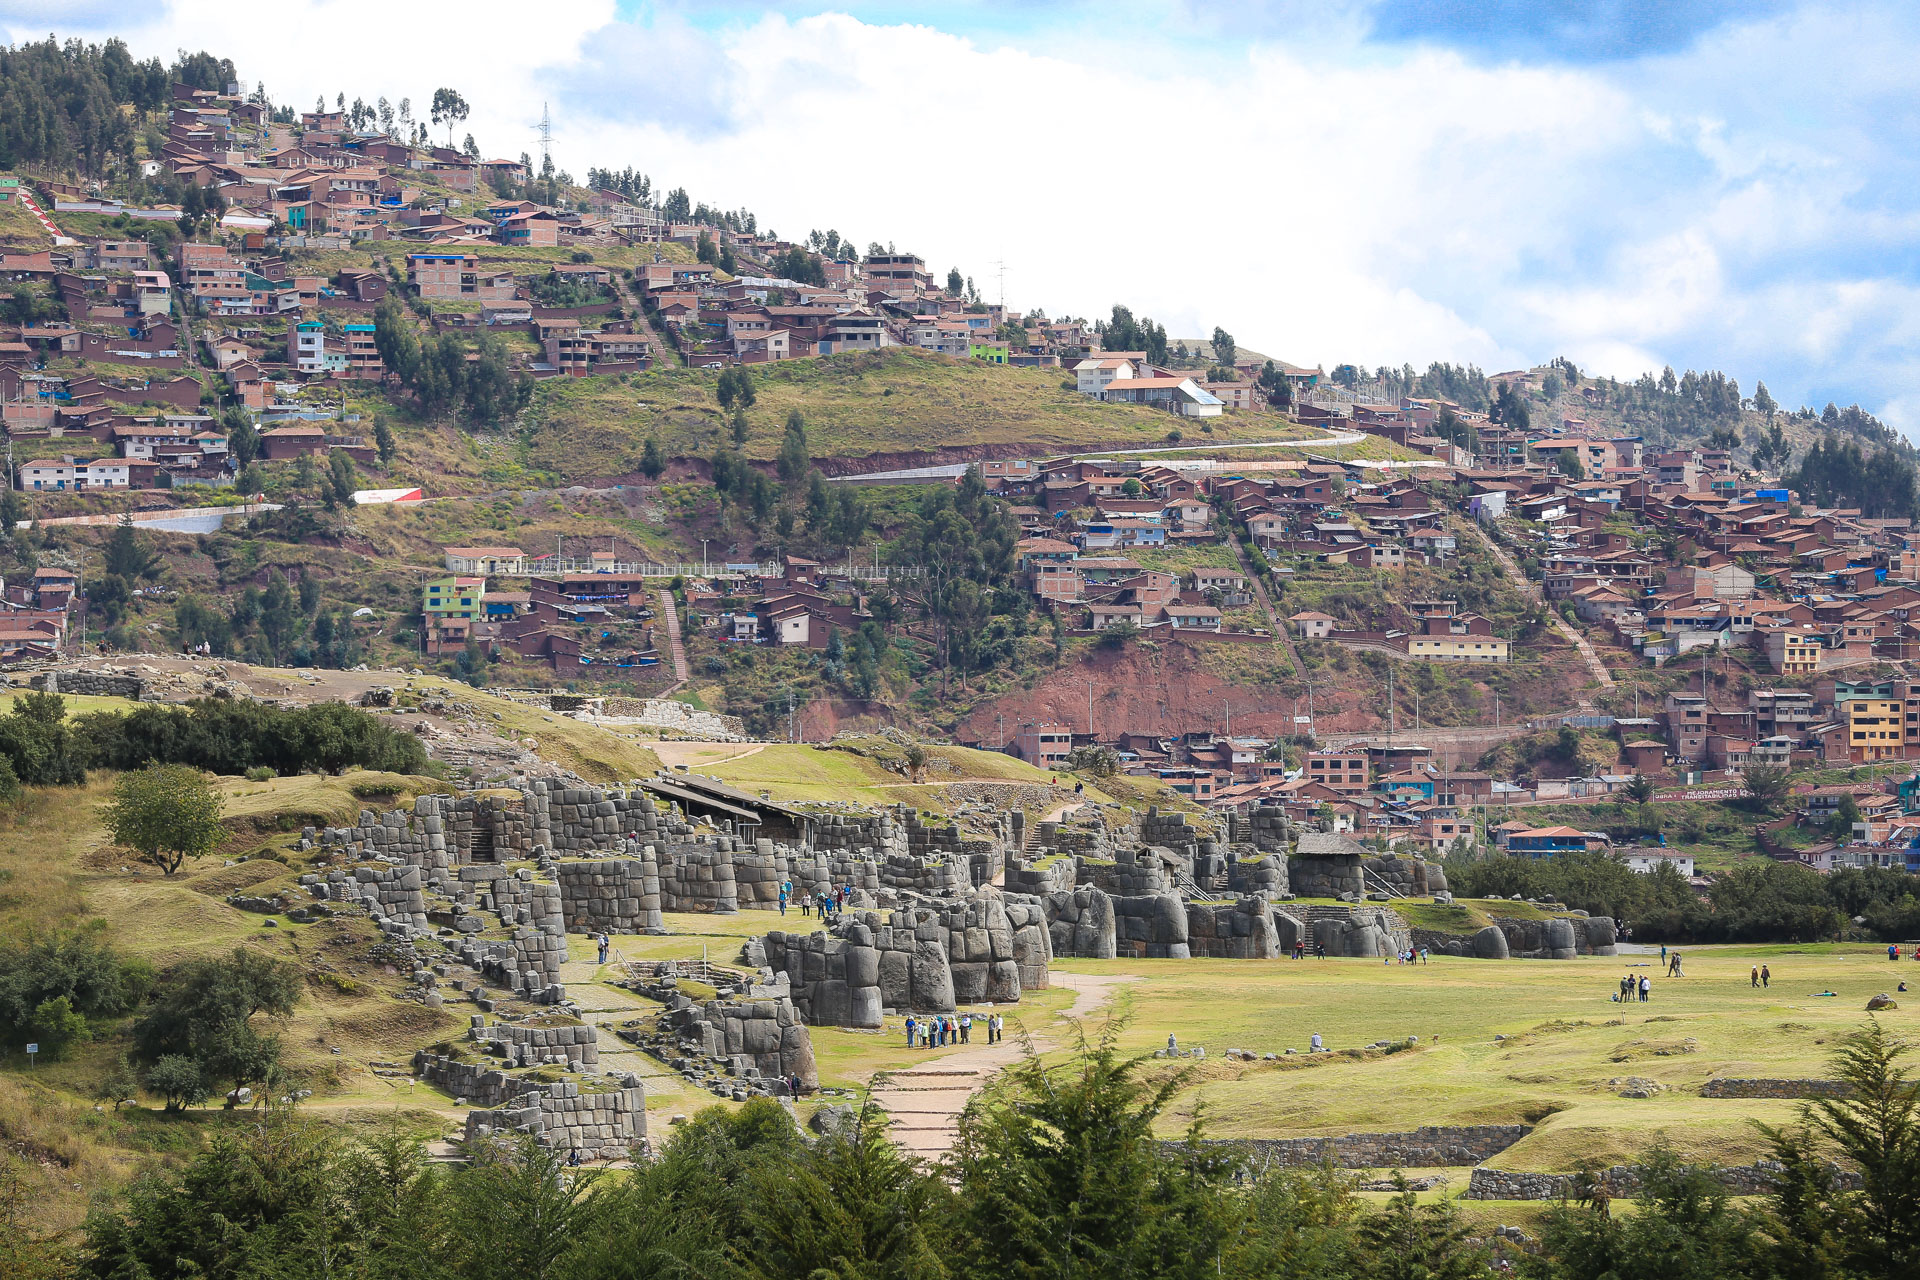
(1630, 183)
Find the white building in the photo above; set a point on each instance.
(1645, 860)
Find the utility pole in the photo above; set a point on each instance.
(790, 737)
(704, 571)
(1089, 708)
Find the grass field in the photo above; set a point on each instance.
(902, 399)
(1566, 1041)
(800, 774)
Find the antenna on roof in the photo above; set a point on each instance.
(1000, 271)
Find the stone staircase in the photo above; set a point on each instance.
(923, 1105)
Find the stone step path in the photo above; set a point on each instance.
(923, 1104)
(681, 671)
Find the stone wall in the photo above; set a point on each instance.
(532, 1044)
(1153, 927)
(480, 1084)
(758, 1040)
(928, 958)
(1407, 877)
(1558, 937)
(1242, 930)
(599, 1125)
(95, 684)
(698, 877)
(1334, 876)
(1489, 943)
(1428, 1147)
(1620, 1180)
(612, 895)
(1810, 1088)
(1265, 875)
(1081, 923)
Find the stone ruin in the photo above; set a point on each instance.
(928, 957)
(599, 1123)
(741, 1044)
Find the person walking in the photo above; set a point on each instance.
(966, 1028)
(912, 1026)
(806, 904)
(1753, 978)
(1766, 977)
(1677, 971)
(602, 940)
(1646, 988)
(999, 1027)
(1663, 953)
(783, 902)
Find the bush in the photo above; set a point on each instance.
(76, 973)
(230, 736)
(261, 773)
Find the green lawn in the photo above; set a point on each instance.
(1565, 1040)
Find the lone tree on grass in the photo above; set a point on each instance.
(167, 812)
(1767, 784)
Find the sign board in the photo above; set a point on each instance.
(33, 1048)
(1303, 719)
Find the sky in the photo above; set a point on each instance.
(1629, 183)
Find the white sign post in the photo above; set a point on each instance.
(32, 1051)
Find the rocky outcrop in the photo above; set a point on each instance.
(1240, 930)
(1728, 1087)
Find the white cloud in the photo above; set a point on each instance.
(1741, 204)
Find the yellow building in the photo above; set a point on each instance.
(1464, 648)
(1876, 728)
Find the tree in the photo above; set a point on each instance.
(205, 1010)
(1223, 347)
(1568, 464)
(652, 461)
(1845, 814)
(1876, 1128)
(129, 556)
(342, 480)
(177, 1079)
(956, 283)
(1725, 437)
(1767, 784)
(1061, 1175)
(383, 438)
(1411, 1241)
(449, 108)
(1640, 789)
(739, 428)
(1763, 402)
(793, 461)
(165, 812)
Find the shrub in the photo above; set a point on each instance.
(261, 773)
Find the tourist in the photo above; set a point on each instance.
(996, 1027)
(793, 1085)
(1753, 977)
(1893, 951)
(1316, 1047)
(1173, 1046)
(1319, 951)
(911, 1027)
(602, 940)
(1424, 955)
(966, 1028)
(806, 904)
(1766, 977)
(783, 902)
(1646, 988)
(1663, 953)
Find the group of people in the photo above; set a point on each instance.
(1761, 976)
(1630, 986)
(940, 1030)
(1412, 955)
(831, 901)
(1300, 950)
(1893, 951)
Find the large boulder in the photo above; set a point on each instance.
(1490, 943)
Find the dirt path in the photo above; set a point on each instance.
(681, 671)
(691, 753)
(1601, 675)
(924, 1103)
(1274, 620)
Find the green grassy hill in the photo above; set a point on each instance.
(898, 400)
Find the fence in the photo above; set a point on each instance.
(546, 565)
